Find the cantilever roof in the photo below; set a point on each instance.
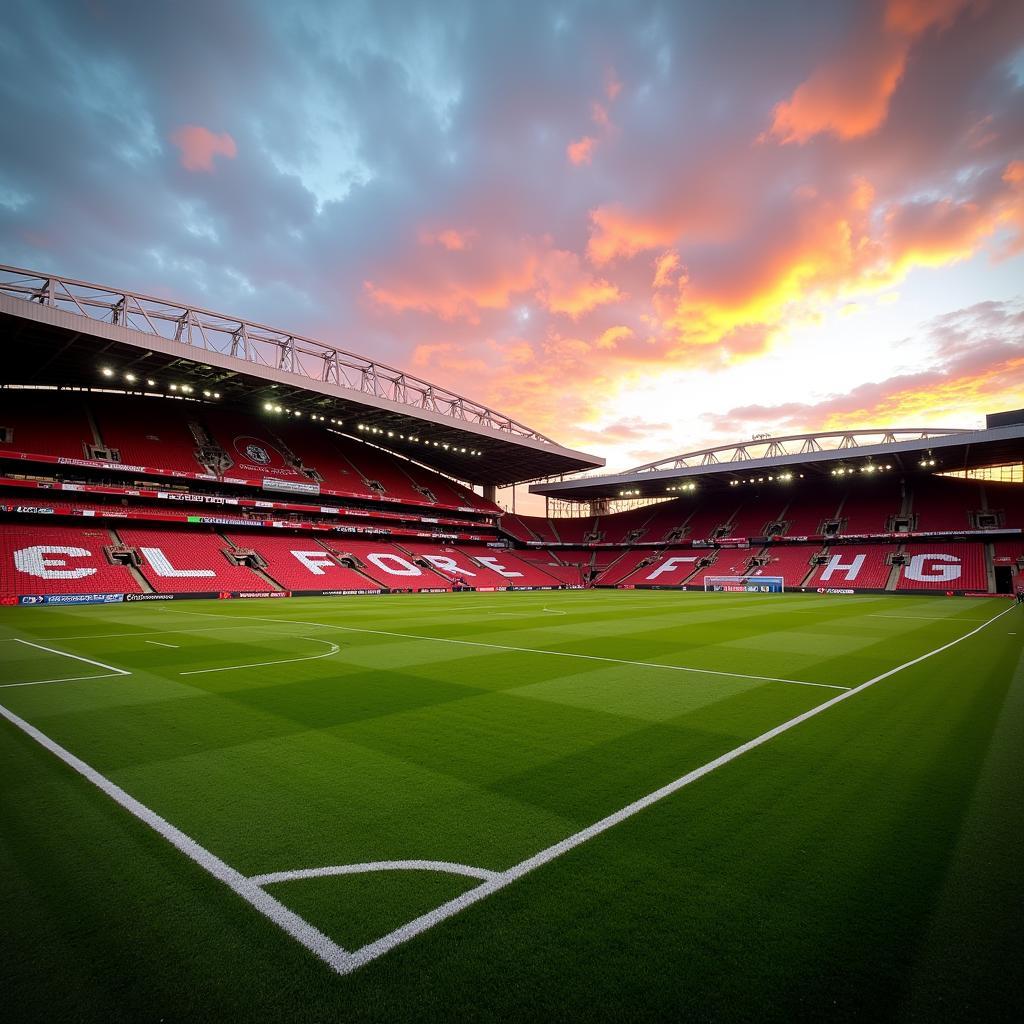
(58, 331)
(812, 454)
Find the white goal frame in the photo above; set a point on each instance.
(747, 584)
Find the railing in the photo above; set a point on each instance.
(252, 342)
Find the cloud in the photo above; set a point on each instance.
(581, 151)
(978, 363)
(849, 94)
(199, 146)
(462, 285)
(451, 239)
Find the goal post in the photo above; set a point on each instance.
(745, 584)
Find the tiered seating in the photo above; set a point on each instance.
(532, 575)
(391, 566)
(757, 513)
(1009, 551)
(730, 563)
(945, 504)
(576, 530)
(64, 432)
(373, 464)
(148, 432)
(188, 561)
(944, 567)
(867, 510)
(854, 567)
(448, 492)
(252, 446)
(36, 559)
(452, 563)
(1008, 501)
(315, 449)
(617, 527)
(792, 563)
(711, 513)
(806, 511)
(624, 566)
(300, 563)
(515, 527)
(542, 529)
(670, 569)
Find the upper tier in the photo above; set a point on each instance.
(197, 440)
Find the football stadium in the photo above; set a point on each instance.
(459, 729)
(512, 512)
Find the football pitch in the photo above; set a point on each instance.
(606, 805)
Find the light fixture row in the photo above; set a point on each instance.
(130, 378)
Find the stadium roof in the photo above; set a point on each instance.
(819, 454)
(59, 331)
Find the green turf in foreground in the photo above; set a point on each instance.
(861, 866)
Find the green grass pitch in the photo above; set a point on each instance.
(861, 863)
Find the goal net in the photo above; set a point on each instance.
(746, 584)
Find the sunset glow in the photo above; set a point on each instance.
(638, 228)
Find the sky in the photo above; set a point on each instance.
(638, 227)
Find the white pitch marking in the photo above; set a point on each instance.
(156, 643)
(162, 632)
(452, 907)
(66, 679)
(297, 927)
(449, 867)
(334, 648)
(109, 674)
(76, 657)
(536, 650)
(930, 618)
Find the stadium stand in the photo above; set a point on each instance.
(453, 564)
(389, 565)
(945, 504)
(1005, 502)
(626, 563)
(731, 563)
(756, 514)
(623, 527)
(713, 515)
(943, 567)
(579, 530)
(542, 529)
(301, 563)
(807, 510)
(157, 436)
(791, 562)
(516, 528)
(37, 559)
(66, 433)
(531, 574)
(869, 510)
(189, 561)
(670, 569)
(854, 567)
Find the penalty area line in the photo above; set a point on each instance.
(111, 670)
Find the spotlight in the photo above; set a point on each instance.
(206, 394)
(150, 383)
(268, 407)
(130, 377)
(107, 371)
(174, 387)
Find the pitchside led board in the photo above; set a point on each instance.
(745, 584)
